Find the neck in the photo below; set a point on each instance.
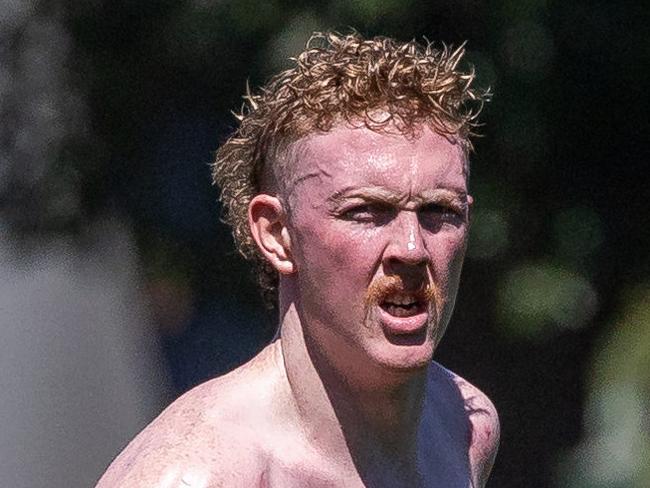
(346, 410)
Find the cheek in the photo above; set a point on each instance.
(447, 252)
(326, 240)
(331, 252)
(334, 267)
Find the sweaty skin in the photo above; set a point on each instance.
(348, 394)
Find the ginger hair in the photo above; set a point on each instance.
(340, 79)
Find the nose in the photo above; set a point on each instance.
(406, 247)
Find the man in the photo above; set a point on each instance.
(347, 183)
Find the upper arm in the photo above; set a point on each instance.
(182, 448)
(475, 416)
(162, 473)
(485, 431)
(151, 460)
(193, 464)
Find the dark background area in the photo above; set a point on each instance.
(557, 272)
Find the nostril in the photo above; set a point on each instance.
(413, 254)
(412, 272)
(406, 261)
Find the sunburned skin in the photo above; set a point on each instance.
(348, 394)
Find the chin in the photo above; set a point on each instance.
(404, 344)
(405, 354)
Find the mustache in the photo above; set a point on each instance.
(388, 285)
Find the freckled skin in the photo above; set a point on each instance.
(338, 400)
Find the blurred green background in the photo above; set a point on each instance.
(111, 112)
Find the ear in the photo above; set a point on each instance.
(267, 220)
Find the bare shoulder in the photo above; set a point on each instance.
(483, 422)
(210, 436)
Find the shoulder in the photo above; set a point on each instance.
(483, 422)
(211, 435)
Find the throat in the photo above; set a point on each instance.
(389, 416)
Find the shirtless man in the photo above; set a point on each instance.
(347, 183)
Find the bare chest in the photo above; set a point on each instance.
(300, 467)
(296, 464)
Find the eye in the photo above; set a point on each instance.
(441, 212)
(375, 213)
(437, 209)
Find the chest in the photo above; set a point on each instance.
(296, 464)
(301, 467)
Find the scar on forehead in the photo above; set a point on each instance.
(306, 176)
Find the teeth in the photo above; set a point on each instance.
(396, 311)
(401, 299)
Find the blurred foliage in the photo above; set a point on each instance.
(535, 298)
(117, 107)
(616, 446)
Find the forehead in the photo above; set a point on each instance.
(354, 157)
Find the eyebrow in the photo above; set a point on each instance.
(380, 194)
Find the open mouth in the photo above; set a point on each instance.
(403, 305)
(403, 311)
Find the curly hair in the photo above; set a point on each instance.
(340, 79)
